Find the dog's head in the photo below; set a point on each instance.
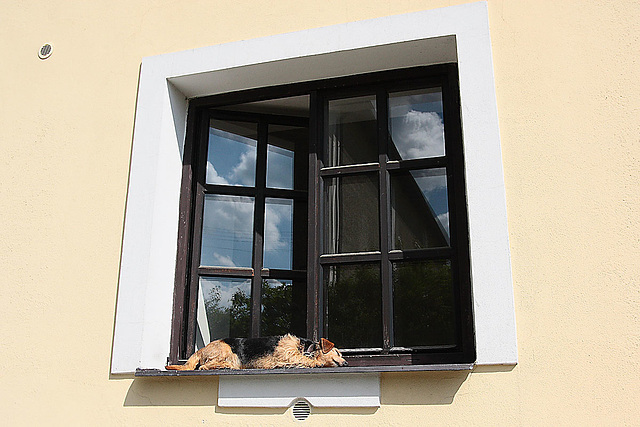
(326, 352)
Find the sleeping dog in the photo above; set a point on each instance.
(286, 351)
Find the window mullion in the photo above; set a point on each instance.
(458, 218)
(258, 229)
(385, 231)
(179, 320)
(316, 132)
(198, 212)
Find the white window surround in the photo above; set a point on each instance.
(272, 391)
(452, 34)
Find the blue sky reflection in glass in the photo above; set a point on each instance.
(231, 157)
(433, 186)
(279, 167)
(283, 140)
(420, 212)
(416, 124)
(278, 234)
(227, 231)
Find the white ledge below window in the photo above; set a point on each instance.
(452, 34)
(268, 391)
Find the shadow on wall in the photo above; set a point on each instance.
(416, 388)
(203, 391)
(187, 391)
(421, 388)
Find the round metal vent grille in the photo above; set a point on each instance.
(45, 51)
(301, 410)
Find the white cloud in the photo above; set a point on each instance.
(213, 177)
(419, 134)
(444, 220)
(222, 260)
(244, 172)
(278, 235)
(277, 219)
(227, 231)
(235, 157)
(429, 182)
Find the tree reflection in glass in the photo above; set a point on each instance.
(423, 304)
(283, 308)
(354, 307)
(224, 308)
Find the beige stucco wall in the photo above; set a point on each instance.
(567, 81)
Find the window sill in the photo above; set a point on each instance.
(345, 370)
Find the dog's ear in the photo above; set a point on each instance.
(326, 345)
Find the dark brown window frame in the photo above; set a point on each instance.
(444, 76)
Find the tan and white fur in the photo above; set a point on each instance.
(287, 351)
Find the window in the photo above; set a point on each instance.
(154, 215)
(249, 229)
(334, 208)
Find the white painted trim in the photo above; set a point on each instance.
(143, 317)
(280, 391)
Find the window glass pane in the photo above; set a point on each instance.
(227, 231)
(224, 308)
(354, 305)
(423, 304)
(281, 149)
(416, 124)
(283, 307)
(278, 233)
(420, 209)
(351, 214)
(231, 157)
(352, 129)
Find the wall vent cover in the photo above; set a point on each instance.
(45, 51)
(301, 410)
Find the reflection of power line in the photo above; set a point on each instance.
(226, 230)
(225, 244)
(226, 239)
(229, 236)
(223, 249)
(213, 247)
(240, 237)
(221, 232)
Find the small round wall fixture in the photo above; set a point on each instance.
(45, 51)
(301, 410)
